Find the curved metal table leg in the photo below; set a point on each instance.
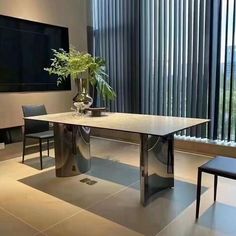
(156, 165)
(72, 149)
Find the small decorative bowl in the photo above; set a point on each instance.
(96, 111)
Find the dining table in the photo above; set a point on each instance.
(156, 134)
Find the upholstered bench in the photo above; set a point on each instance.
(219, 166)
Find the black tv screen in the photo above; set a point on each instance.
(25, 50)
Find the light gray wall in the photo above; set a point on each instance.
(67, 13)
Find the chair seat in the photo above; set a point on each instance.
(224, 166)
(41, 135)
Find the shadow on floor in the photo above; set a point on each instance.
(113, 171)
(116, 195)
(220, 218)
(35, 162)
(14, 150)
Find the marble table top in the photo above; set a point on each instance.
(135, 123)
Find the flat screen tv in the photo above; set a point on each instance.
(25, 50)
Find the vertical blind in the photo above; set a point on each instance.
(171, 57)
(227, 84)
(174, 55)
(116, 39)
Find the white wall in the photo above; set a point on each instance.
(68, 13)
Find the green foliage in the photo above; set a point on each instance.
(98, 77)
(75, 64)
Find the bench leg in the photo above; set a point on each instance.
(23, 154)
(215, 186)
(41, 155)
(199, 180)
(48, 146)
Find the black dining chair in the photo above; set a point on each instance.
(36, 129)
(219, 166)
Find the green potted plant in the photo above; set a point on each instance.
(86, 70)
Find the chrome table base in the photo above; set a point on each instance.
(156, 165)
(72, 157)
(72, 149)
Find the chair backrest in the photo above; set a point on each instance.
(34, 126)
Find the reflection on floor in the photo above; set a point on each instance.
(34, 202)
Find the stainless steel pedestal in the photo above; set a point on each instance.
(72, 149)
(156, 165)
(72, 157)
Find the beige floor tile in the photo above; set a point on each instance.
(125, 209)
(44, 201)
(11, 226)
(186, 165)
(215, 220)
(15, 170)
(226, 191)
(35, 207)
(88, 224)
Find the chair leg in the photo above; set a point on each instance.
(48, 146)
(215, 186)
(41, 155)
(23, 153)
(199, 180)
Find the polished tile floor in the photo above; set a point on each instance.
(34, 202)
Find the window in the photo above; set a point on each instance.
(171, 57)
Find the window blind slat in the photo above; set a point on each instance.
(201, 64)
(232, 78)
(160, 60)
(195, 62)
(206, 106)
(189, 59)
(170, 59)
(184, 62)
(225, 73)
(143, 57)
(156, 58)
(152, 64)
(179, 75)
(175, 70)
(165, 80)
(149, 55)
(215, 114)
